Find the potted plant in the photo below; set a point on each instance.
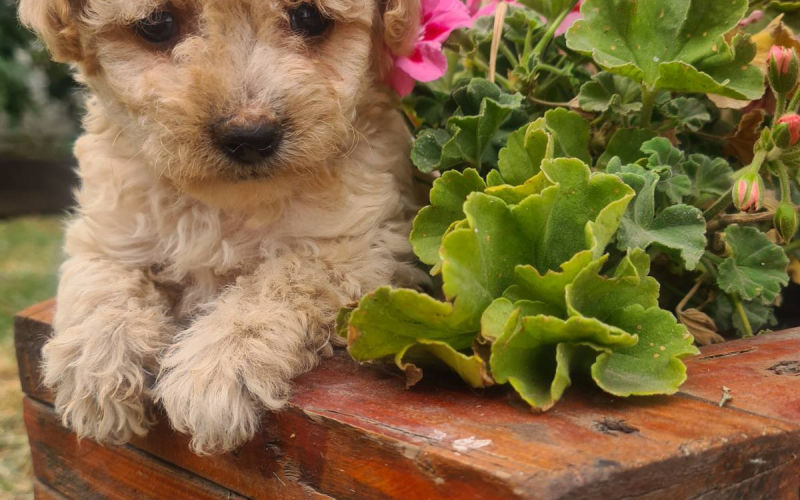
(602, 201)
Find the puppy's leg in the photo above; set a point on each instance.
(239, 357)
(110, 324)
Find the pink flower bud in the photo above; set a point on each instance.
(747, 194)
(782, 69)
(793, 122)
(753, 18)
(780, 56)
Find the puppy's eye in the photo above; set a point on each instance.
(307, 21)
(158, 27)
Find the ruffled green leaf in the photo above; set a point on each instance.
(651, 366)
(607, 91)
(522, 157)
(710, 178)
(665, 160)
(470, 136)
(688, 113)
(581, 211)
(594, 296)
(536, 354)
(571, 134)
(760, 316)
(677, 227)
(471, 367)
(676, 45)
(756, 268)
(626, 144)
(448, 195)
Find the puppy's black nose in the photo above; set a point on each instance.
(247, 143)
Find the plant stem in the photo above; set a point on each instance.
(722, 204)
(507, 52)
(728, 219)
(783, 175)
(551, 30)
(716, 259)
(497, 35)
(692, 292)
(792, 108)
(791, 247)
(549, 103)
(485, 67)
(648, 101)
(780, 107)
(737, 303)
(552, 69)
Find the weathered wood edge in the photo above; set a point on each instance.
(378, 443)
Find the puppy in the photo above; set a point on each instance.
(245, 174)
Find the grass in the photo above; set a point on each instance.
(30, 252)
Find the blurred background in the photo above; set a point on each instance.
(40, 108)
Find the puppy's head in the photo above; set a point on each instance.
(230, 96)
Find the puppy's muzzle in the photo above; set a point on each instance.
(247, 142)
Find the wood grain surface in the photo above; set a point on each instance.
(353, 432)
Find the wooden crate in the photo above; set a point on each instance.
(353, 432)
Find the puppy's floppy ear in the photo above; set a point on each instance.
(55, 21)
(400, 24)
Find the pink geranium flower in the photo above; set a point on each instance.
(477, 9)
(426, 61)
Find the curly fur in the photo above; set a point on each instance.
(193, 282)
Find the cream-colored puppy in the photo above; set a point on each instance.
(245, 174)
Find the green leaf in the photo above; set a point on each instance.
(472, 368)
(757, 268)
(571, 134)
(535, 354)
(666, 160)
(471, 134)
(581, 211)
(689, 113)
(448, 195)
(626, 143)
(479, 260)
(676, 45)
(522, 157)
(678, 227)
(653, 365)
(727, 318)
(428, 151)
(594, 296)
(388, 321)
(710, 179)
(550, 287)
(607, 91)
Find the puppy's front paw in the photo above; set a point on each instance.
(99, 387)
(207, 400)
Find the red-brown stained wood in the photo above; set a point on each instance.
(87, 471)
(763, 375)
(353, 432)
(43, 492)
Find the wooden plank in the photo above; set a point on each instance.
(763, 375)
(43, 492)
(32, 328)
(353, 432)
(88, 471)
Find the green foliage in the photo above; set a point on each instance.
(546, 223)
(677, 45)
(756, 267)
